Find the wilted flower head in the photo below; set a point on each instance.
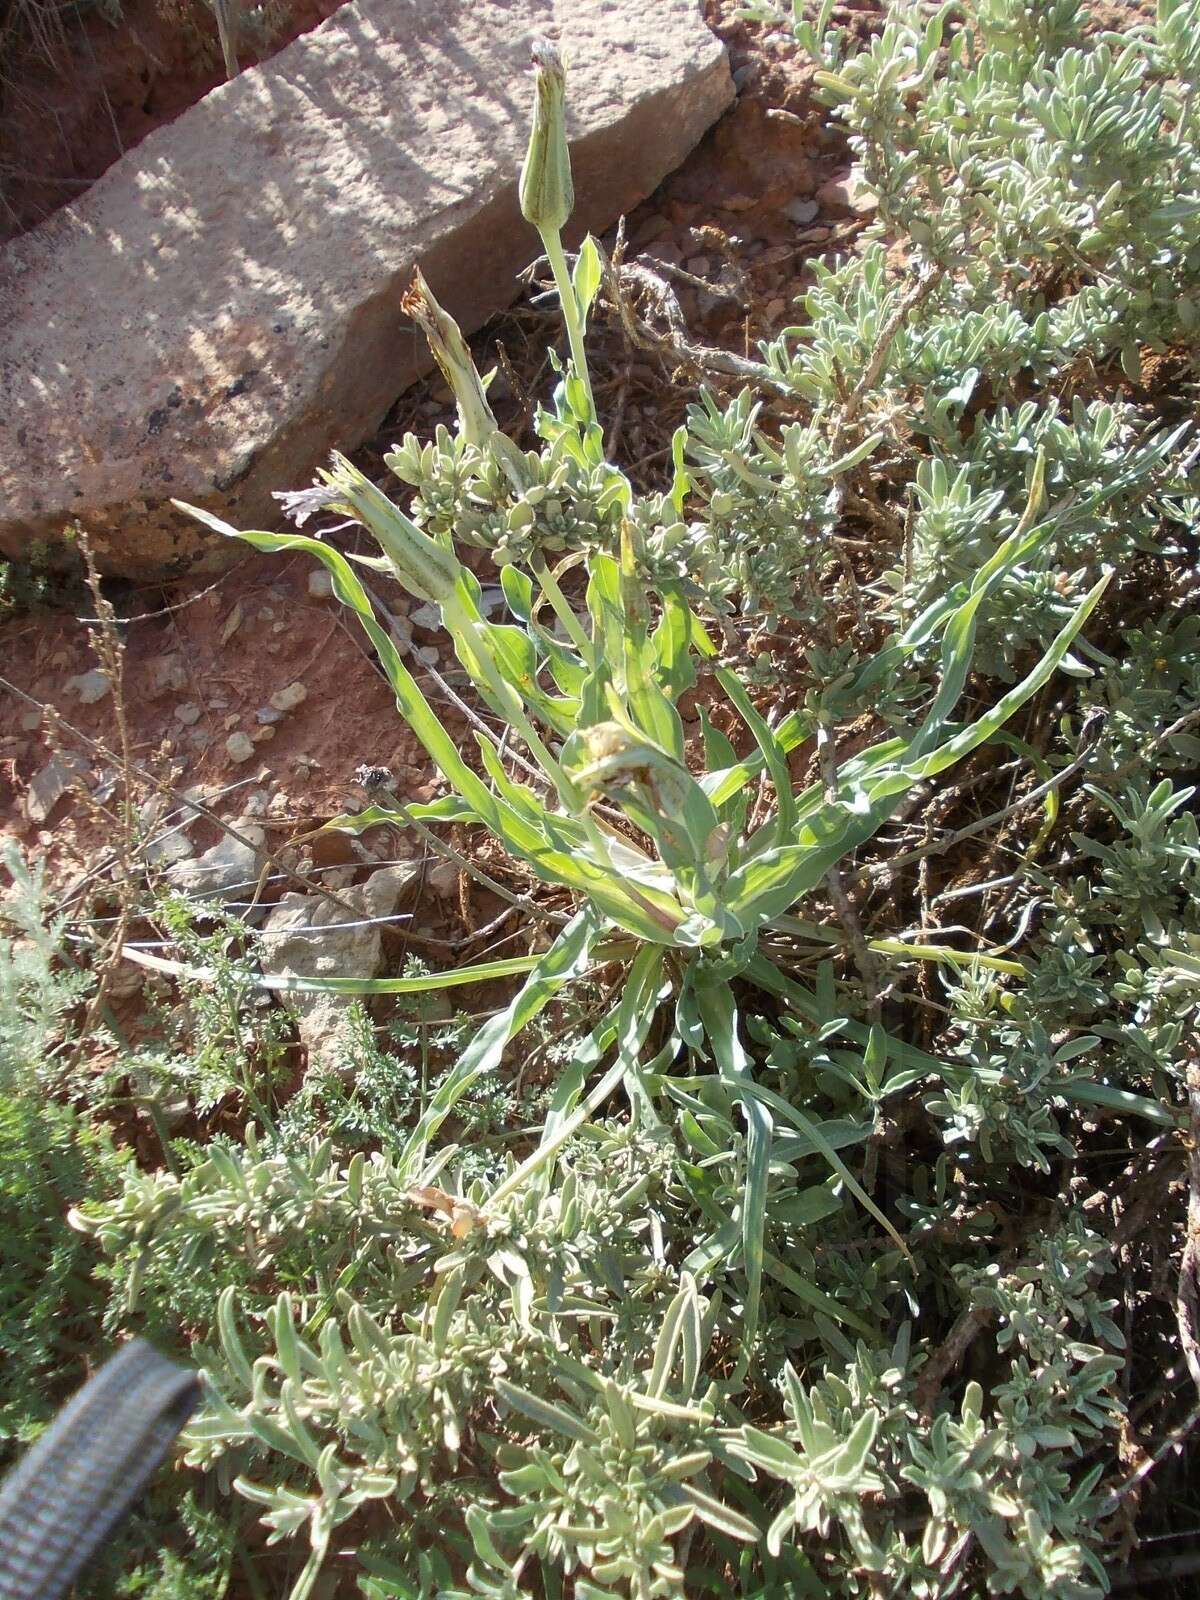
(547, 193)
(424, 567)
(300, 504)
(475, 420)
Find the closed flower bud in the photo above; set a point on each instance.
(547, 194)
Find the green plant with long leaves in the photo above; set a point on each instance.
(671, 872)
(745, 1293)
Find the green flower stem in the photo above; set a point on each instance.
(552, 241)
(563, 612)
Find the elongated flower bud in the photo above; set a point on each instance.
(475, 420)
(421, 564)
(547, 193)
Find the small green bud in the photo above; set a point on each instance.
(547, 193)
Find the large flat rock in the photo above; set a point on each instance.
(222, 307)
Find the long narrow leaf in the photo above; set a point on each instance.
(454, 977)
(717, 1010)
(566, 958)
(629, 1023)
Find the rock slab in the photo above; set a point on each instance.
(306, 936)
(222, 306)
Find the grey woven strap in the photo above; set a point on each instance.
(67, 1494)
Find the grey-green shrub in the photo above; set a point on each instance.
(430, 1384)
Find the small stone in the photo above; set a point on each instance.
(426, 616)
(428, 654)
(652, 228)
(89, 687)
(200, 738)
(699, 266)
(400, 629)
(48, 786)
(167, 674)
(847, 191)
(239, 746)
(306, 936)
(267, 715)
(442, 879)
(682, 212)
(320, 584)
(127, 980)
(187, 714)
(774, 308)
(800, 211)
(667, 253)
(229, 867)
(167, 851)
(261, 735)
(288, 699)
(31, 720)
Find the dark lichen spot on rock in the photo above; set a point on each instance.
(242, 384)
(238, 470)
(157, 420)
